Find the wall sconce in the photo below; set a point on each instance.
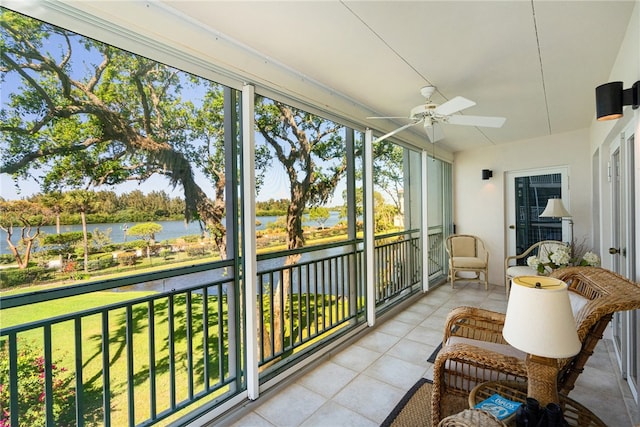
(610, 98)
(487, 173)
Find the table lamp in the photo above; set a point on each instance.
(540, 322)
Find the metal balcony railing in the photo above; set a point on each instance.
(130, 363)
(305, 294)
(177, 346)
(398, 264)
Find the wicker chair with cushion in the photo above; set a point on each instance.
(474, 350)
(540, 249)
(467, 253)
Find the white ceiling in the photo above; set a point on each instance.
(534, 62)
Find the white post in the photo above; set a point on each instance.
(425, 222)
(249, 239)
(369, 228)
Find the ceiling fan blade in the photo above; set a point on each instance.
(483, 121)
(434, 132)
(454, 105)
(393, 132)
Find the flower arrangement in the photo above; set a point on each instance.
(561, 257)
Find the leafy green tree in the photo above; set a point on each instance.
(389, 169)
(358, 203)
(54, 201)
(384, 213)
(123, 120)
(64, 243)
(82, 201)
(146, 231)
(100, 239)
(272, 207)
(319, 214)
(28, 217)
(311, 151)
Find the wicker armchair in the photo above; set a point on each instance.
(474, 350)
(467, 253)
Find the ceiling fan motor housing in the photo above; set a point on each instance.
(427, 91)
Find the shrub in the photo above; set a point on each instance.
(100, 263)
(133, 244)
(165, 253)
(27, 276)
(192, 238)
(7, 259)
(31, 389)
(195, 250)
(127, 258)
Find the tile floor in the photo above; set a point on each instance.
(362, 383)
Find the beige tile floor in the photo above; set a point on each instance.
(360, 384)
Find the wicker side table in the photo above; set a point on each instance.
(574, 413)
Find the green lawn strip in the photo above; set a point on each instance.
(143, 265)
(47, 309)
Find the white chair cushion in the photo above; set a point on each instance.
(521, 270)
(467, 262)
(577, 303)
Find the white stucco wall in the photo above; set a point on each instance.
(603, 135)
(480, 206)
(626, 69)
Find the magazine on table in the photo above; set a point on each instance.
(500, 407)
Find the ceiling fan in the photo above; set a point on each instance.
(433, 115)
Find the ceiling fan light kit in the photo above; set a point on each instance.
(432, 115)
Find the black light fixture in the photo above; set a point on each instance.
(487, 173)
(611, 97)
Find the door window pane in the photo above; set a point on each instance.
(532, 194)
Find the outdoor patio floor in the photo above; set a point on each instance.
(360, 384)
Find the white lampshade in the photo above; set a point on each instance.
(555, 209)
(539, 320)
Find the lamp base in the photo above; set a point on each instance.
(542, 379)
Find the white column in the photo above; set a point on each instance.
(369, 228)
(425, 222)
(249, 239)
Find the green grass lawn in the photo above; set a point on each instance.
(48, 309)
(63, 345)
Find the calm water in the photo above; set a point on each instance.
(170, 229)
